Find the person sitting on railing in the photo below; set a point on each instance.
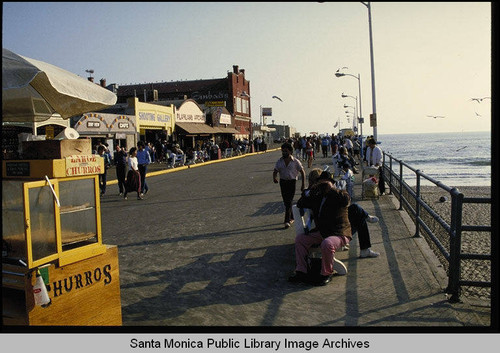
(374, 159)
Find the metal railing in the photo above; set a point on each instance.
(444, 232)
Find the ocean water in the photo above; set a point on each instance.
(455, 159)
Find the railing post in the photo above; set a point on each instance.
(455, 245)
(390, 174)
(417, 206)
(400, 185)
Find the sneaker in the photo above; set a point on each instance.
(372, 219)
(140, 197)
(125, 198)
(368, 253)
(291, 221)
(142, 194)
(339, 267)
(298, 277)
(287, 225)
(121, 194)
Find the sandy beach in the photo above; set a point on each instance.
(473, 242)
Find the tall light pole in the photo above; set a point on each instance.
(374, 105)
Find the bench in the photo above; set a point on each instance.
(175, 160)
(180, 160)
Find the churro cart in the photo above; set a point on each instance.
(51, 232)
(55, 268)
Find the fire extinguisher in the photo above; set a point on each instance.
(40, 292)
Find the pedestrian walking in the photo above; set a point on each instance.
(107, 163)
(133, 182)
(120, 157)
(288, 169)
(143, 159)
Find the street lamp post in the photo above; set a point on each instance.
(374, 105)
(340, 74)
(354, 118)
(357, 109)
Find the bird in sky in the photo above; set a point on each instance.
(477, 114)
(435, 116)
(278, 98)
(479, 100)
(345, 67)
(461, 148)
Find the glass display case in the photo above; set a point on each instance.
(44, 222)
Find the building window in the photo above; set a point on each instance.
(238, 104)
(245, 106)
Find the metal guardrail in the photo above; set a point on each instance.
(446, 235)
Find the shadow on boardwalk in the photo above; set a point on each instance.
(230, 266)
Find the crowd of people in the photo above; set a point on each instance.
(335, 216)
(132, 165)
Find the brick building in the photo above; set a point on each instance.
(232, 91)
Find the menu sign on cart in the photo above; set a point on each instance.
(17, 168)
(84, 165)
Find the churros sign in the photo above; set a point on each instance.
(84, 165)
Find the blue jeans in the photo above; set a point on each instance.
(143, 168)
(357, 217)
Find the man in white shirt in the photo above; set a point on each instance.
(348, 145)
(288, 169)
(374, 159)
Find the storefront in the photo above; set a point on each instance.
(190, 125)
(110, 128)
(243, 126)
(154, 122)
(222, 123)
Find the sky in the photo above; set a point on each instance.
(430, 58)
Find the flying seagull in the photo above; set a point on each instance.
(278, 98)
(477, 114)
(345, 67)
(479, 100)
(461, 148)
(435, 116)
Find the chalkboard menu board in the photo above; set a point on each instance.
(17, 168)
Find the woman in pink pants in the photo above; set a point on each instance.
(333, 230)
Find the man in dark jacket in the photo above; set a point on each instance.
(120, 158)
(333, 230)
